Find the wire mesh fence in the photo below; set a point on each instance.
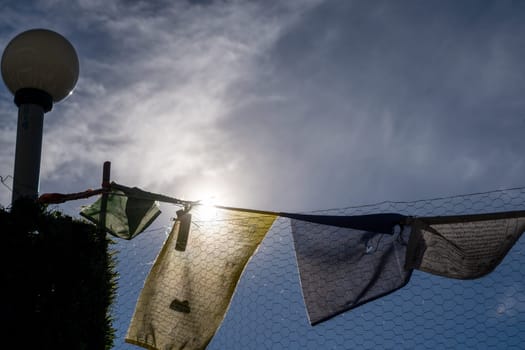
(267, 310)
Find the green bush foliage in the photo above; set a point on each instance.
(58, 281)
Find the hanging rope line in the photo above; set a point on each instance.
(57, 198)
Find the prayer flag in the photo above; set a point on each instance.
(463, 246)
(189, 288)
(341, 268)
(127, 214)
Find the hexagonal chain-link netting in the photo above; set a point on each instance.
(267, 310)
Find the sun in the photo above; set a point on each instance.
(207, 209)
(209, 197)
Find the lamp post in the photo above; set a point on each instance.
(40, 67)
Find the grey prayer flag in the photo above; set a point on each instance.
(341, 268)
(463, 246)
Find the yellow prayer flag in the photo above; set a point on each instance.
(187, 293)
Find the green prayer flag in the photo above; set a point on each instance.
(127, 214)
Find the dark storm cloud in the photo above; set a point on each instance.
(200, 2)
(376, 100)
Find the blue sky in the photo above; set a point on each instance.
(282, 105)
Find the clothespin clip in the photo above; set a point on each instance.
(104, 199)
(184, 219)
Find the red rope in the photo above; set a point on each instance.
(56, 198)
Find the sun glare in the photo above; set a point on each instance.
(207, 209)
(209, 196)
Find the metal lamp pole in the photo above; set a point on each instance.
(40, 67)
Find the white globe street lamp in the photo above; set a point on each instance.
(39, 67)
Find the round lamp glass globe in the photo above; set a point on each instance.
(40, 59)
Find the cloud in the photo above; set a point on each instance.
(287, 105)
(377, 102)
(154, 83)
